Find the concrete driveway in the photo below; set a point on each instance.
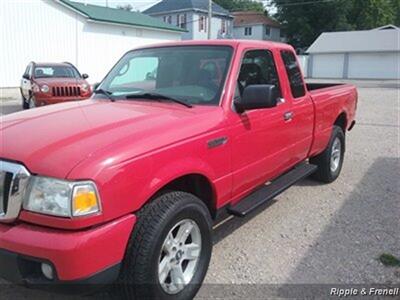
(313, 236)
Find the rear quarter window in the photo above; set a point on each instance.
(294, 74)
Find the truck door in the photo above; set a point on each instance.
(300, 116)
(260, 144)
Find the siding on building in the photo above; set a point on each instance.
(258, 33)
(365, 54)
(46, 31)
(192, 25)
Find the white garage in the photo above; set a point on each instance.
(328, 65)
(367, 54)
(91, 37)
(384, 65)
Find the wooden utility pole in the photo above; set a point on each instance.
(209, 18)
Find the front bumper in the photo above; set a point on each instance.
(88, 256)
(24, 270)
(40, 100)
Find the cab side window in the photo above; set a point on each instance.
(258, 67)
(294, 74)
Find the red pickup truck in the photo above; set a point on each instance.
(125, 187)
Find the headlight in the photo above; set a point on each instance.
(85, 87)
(44, 88)
(61, 198)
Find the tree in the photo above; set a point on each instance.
(127, 7)
(305, 20)
(241, 5)
(396, 12)
(368, 14)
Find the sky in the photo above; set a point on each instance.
(136, 4)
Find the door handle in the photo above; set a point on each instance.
(288, 116)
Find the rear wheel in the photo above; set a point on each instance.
(169, 250)
(330, 161)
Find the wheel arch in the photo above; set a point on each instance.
(196, 184)
(341, 121)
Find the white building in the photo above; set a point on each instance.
(367, 54)
(193, 16)
(253, 25)
(91, 37)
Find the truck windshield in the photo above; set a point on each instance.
(193, 74)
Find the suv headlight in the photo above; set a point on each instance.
(44, 88)
(61, 198)
(85, 87)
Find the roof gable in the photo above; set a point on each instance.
(165, 6)
(243, 18)
(375, 40)
(118, 16)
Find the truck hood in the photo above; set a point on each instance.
(52, 140)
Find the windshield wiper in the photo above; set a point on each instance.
(106, 93)
(157, 96)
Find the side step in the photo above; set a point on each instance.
(270, 191)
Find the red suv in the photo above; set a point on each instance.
(49, 83)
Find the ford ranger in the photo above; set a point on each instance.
(124, 188)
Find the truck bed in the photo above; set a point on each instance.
(317, 86)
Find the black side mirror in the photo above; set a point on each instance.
(25, 76)
(85, 76)
(256, 97)
(96, 85)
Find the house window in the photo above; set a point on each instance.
(223, 26)
(168, 19)
(267, 30)
(248, 31)
(203, 24)
(182, 21)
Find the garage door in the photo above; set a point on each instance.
(374, 65)
(327, 65)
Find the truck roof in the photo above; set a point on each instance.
(232, 43)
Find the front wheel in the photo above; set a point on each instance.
(25, 104)
(330, 161)
(169, 250)
(32, 102)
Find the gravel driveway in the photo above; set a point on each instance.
(314, 233)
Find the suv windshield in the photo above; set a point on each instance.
(193, 74)
(55, 71)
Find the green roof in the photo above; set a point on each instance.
(119, 16)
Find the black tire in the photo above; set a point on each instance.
(25, 104)
(31, 102)
(139, 277)
(323, 160)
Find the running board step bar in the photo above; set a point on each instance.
(270, 191)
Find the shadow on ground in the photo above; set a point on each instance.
(367, 225)
(347, 250)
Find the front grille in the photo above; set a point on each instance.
(13, 182)
(66, 91)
